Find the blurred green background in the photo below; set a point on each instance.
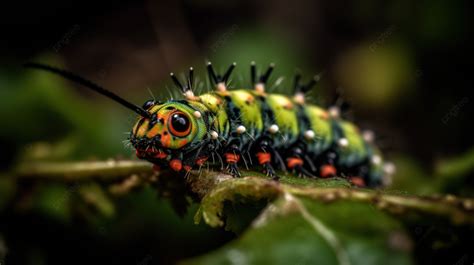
(402, 66)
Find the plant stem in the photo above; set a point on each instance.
(82, 171)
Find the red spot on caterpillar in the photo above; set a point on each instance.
(200, 161)
(161, 155)
(358, 181)
(293, 162)
(231, 158)
(176, 164)
(264, 157)
(328, 171)
(139, 154)
(187, 168)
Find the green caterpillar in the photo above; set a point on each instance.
(251, 128)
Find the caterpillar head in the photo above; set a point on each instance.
(173, 126)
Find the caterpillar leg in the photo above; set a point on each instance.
(296, 163)
(232, 157)
(233, 169)
(264, 157)
(276, 157)
(302, 172)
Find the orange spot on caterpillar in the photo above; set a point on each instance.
(324, 115)
(166, 139)
(176, 164)
(200, 161)
(250, 99)
(153, 132)
(293, 162)
(328, 171)
(161, 155)
(263, 157)
(231, 158)
(288, 106)
(182, 142)
(358, 181)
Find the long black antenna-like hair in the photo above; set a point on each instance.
(89, 84)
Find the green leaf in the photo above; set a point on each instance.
(295, 230)
(311, 223)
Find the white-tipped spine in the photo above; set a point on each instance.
(368, 136)
(376, 160)
(241, 129)
(343, 142)
(273, 129)
(299, 98)
(189, 95)
(197, 114)
(260, 87)
(309, 135)
(334, 112)
(214, 135)
(221, 87)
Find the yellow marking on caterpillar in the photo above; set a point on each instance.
(143, 129)
(285, 114)
(154, 131)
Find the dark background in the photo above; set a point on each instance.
(404, 67)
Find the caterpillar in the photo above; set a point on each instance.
(248, 127)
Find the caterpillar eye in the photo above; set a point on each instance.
(179, 124)
(148, 104)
